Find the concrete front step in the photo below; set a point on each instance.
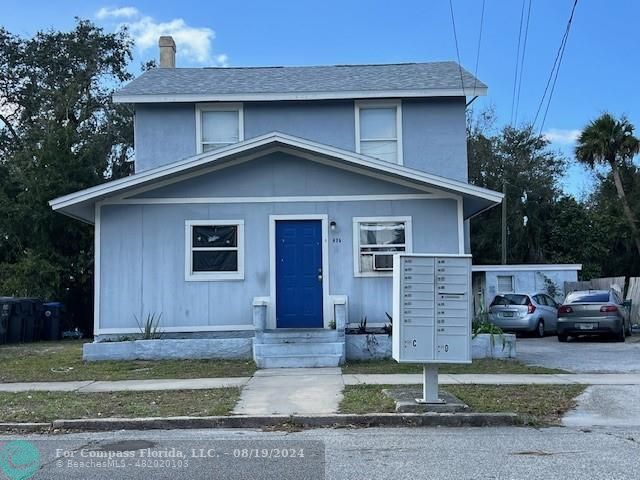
(299, 348)
(299, 336)
(296, 348)
(299, 361)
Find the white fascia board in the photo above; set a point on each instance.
(271, 97)
(263, 140)
(526, 268)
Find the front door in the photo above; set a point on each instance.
(299, 274)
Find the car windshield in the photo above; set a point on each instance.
(588, 297)
(511, 299)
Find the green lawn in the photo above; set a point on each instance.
(62, 361)
(485, 365)
(49, 406)
(535, 404)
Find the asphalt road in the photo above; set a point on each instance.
(437, 453)
(583, 355)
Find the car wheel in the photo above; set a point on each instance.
(562, 338)
(620, 336)
(540, 329)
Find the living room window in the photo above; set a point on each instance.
(375, 240)
(218, 125)
(214, 250)
(379, 130)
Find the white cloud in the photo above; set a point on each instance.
(562, 137)
(123, 12)
(193, 44)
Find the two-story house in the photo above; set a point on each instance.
(286, 189)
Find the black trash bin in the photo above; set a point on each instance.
(52, 319)
(30, 319)
(4, 321)
(11, 309)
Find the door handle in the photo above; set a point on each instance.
(320, 277)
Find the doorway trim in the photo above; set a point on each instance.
(327, 312)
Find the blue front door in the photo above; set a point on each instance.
(299, 274)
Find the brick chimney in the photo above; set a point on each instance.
(167, 52)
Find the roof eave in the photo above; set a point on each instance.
(283, 96)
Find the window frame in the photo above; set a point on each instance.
(190, 275)
(366, 104)
(513, 286)
(218, 107)
(408, 242)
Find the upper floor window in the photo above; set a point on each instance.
(379, 130)
(218, 125)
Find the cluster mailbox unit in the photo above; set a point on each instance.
(431, 313)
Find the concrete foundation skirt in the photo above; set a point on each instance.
(493, 346)
(170, 349)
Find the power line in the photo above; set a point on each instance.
(475, 72)
(524, 50)
(455, 37)
(515, 77)
(553, 75)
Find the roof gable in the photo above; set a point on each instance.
(81, 204)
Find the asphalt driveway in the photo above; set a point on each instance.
(584, 355)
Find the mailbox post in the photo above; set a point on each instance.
(432, 313)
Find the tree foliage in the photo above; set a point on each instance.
(59, 132)
(519, 163)
(558, 229)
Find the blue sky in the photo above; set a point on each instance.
(598, 72)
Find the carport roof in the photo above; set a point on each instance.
(81, 204)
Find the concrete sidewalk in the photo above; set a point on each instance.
(308, 376)
(292, 391)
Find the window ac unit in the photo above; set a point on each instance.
(383, 262)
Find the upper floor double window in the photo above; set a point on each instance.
(218, 125)
(379, 129)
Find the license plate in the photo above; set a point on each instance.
(586, 326)
(507, 314)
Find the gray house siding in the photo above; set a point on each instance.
(278, 174)
(434, 135)
(164, 133)
(143, 256)
(142, 246)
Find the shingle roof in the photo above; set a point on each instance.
(327, 80)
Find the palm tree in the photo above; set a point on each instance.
(607, 140)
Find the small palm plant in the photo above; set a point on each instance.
(609, 141)
(150, 328)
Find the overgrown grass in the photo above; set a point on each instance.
(62, 361)
(485, 365)
(49, 406)
(535, 404)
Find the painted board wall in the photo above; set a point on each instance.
(143, 257)
(434, 135)
(527, 282)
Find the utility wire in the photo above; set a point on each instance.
(475, 72)
(455, 37)
(553, 75)
(515, 77)
(524, 50)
